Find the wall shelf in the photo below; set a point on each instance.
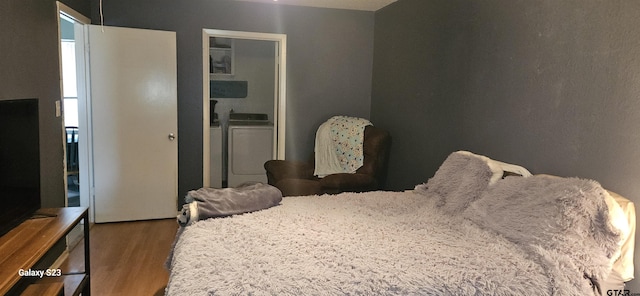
(221, 57)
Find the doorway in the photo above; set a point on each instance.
(71, 30)
(113, 158)
(74, 93)
(219, 64)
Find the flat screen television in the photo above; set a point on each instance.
(19, 161)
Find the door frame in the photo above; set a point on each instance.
(280, 93)
(84, 107)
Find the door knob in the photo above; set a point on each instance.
(172, 137)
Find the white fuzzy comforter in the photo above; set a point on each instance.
(398, 243)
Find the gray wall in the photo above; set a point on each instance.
(551, 85)
(29, 68)
(329, 51)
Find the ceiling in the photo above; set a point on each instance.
(368, 5)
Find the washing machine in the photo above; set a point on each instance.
(250, 145)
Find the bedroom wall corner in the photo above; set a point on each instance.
(550, 85)
(417, 52)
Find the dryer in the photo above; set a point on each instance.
(250, 145)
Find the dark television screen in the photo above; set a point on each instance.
(19, 161)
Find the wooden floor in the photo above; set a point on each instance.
(127, 258)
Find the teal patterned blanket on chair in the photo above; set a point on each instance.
(338, 146)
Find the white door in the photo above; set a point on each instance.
(134, 123)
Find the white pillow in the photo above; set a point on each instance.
(622, 215)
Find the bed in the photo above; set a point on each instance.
(467, 231)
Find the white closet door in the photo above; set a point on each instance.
(134, 118)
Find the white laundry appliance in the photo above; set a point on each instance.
(215, 158)
(249, 146)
